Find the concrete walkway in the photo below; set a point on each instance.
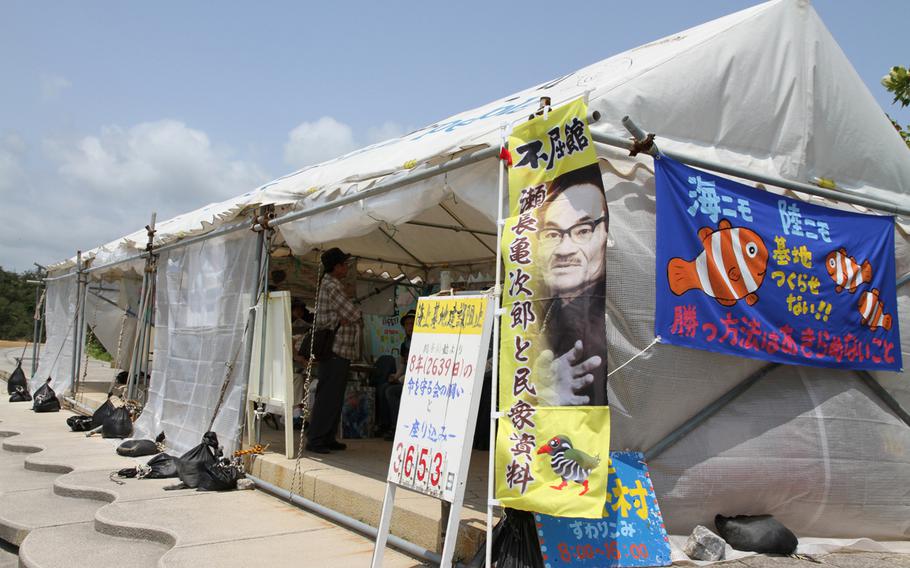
(93, 518)
(59, 506)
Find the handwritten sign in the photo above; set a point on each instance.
(755, 274)
(440, 394)
(631, 533)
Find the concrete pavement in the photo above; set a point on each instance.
(58, 504)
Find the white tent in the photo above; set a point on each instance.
(766, 89)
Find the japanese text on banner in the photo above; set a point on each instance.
(755, 274)
(553, 350)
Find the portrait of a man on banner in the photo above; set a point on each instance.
(573, 223)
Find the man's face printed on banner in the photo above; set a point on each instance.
(572, 240)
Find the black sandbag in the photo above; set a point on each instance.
(162, 466)
(45, 399)
(137, 448)
(20, 395)
(515, 543)
(756, 533)
(79, 423)
(118, 425)
(220, 476)
(16, 379)
(191, 463)
(102, 412)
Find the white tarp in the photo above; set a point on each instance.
(766, 89)
(202, 306)
(754, 89)
(56, 357)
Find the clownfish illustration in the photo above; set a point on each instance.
(731, 268)
(873, 311)
(846, 272)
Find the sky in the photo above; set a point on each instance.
(112, 110)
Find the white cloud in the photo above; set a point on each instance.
(314, 142)
(52, 86)
(87, 191)
(385, 131)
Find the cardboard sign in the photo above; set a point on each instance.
(631, 533)
(440, 394)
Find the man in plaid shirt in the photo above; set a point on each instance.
(334, 311)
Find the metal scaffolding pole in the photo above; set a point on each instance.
(75, 351)
(80, 330)
(742, 387)
(38, 326)
(255, 285)
(644, 143)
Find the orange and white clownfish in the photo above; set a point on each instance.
(846, 272)
(731, 267)
(873, 311)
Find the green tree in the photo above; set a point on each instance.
(898, 84)
(17, 305)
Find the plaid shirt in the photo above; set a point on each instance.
(334, 306)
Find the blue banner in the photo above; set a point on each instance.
(746, 272)
(631, 532)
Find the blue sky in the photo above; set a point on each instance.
(109, 110)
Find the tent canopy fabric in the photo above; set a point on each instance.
(754, 89)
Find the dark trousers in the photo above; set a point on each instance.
(333, 377)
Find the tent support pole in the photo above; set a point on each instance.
(264, 298)
(144, 321)
(36, 334)
(712, 408)
(80, 335)
(639, 145)
(494, 375)
(707, 412)
(455, 228)
(460, 222)
(134, 355)
(399, 245)
(254, 284)
(76, 318)
(884, 396)
(877, 388)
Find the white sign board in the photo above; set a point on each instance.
(274, 365)
(439, 405)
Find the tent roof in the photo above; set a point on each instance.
(755, 89)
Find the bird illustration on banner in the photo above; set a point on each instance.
(569, 463)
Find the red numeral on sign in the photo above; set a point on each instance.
(436, 474)
(422, 464)
(409, 462)
(638, 551)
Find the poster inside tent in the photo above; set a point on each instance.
(756, 274)
(554, 432)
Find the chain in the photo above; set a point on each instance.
(305, 414)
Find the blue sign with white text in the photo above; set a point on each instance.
(631, 533)
(747, 272)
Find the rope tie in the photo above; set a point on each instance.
(636, 356)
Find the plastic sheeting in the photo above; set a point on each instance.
(202, 307)
(56, 357)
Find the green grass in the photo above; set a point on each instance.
(95, 350)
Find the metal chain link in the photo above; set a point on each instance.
(305, 414)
